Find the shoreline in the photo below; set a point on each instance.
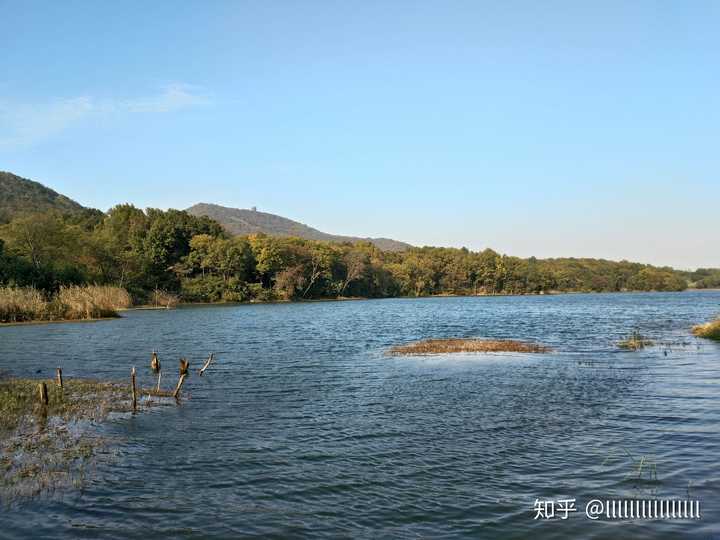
(59, 321)
(183, 305)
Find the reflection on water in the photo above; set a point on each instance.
(303, 428)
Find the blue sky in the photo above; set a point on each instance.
(535, 128)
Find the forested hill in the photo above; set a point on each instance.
(50, 241)
(241, 222)
(19, 196)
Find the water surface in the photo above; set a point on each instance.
(305, 429)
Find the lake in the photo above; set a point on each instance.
(304, 428)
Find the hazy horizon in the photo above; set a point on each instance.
(555, 130)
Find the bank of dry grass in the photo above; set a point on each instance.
(92, 301)
(22, 304)
(709, 330)
(456, 345)
(73, 302)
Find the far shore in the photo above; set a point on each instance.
(182, 305)
(59, 321)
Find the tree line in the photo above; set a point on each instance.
(193, 257)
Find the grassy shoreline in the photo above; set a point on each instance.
(150, 307)
(72, 302)
(60, 321)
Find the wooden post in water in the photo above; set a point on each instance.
(176, 393)
(134, 389)
(42, 387)
(58, 378)
(184, 366)
(156, 367)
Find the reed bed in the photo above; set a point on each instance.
(709, 330)
(92, 301)
(18, 304)
(457, 345)
(22, 304)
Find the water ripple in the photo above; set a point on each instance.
(304, 428)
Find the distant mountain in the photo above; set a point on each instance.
(239, 221)
(22, 196)
(19, 195)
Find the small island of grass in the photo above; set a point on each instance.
(462, 345)
(710, 330)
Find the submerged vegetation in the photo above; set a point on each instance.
(46, 446)
(635, 342)
(461, 345)
(78, 399)
(70, 302)
(637, 466)
(710, 330)
(47, 427)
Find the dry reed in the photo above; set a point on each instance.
(92, 301)
(164, 299)
(21, 304)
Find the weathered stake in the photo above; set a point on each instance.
(134, 389)
(42, 387)
(184, 366)
(58, 378)
(155, 362)
(176, 393)
(156, 367)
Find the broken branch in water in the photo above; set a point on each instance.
(207, 364)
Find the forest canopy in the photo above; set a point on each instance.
(173, 251)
